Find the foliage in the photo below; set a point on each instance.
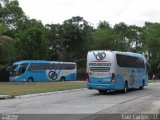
(103, 39)
(67, 41)
(7, 50)
(134, 38)
(10, 13)
(2, 28)
(151, 39)
(33, 44)
(121, 42)
(56, 42)
(75, 32)
(103, 24)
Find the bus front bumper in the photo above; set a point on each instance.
(16, 79)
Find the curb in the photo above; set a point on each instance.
(2, 97)
(47, 93)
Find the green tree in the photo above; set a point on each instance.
(69, 41)
(103, 24)
(151, 39)
(7, 50)
(31, 41)
(121, 40)
(76, 31)
(2, 28)
(134, 34)
(10, 13)
(103, 37)
(56, 42)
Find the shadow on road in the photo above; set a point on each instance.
(114, 92)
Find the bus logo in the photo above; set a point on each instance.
(52, 75)
(100, 55)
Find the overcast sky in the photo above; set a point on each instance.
(132, 12)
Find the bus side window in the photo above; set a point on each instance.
(40, 66)
(22, 70)
(122, 60)
(52, 66)
(132, 62)
(32, 67)
(58, 66)
(69, 66)
(48, 66)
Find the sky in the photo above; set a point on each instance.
(131, 12)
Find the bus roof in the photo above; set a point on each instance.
(123, 53)
(41, 61)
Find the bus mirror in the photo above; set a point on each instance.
(9, 68)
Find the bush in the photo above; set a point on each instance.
(81, 74)
(4, 75)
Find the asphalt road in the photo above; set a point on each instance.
(84, 104)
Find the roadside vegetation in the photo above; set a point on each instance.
(153, 81)
(15, 89)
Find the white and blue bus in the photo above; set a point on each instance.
(41, 71)
(114, 70)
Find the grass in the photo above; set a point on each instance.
(153, 81)
(20, 88)
(15, 89)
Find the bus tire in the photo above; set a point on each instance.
(142, 86)
(30, 79)
(62, 78)
(102, 92)
(125, 89)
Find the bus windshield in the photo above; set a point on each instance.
(16, 70)
(13, 71)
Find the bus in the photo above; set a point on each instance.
(113, 70)
(41, 70)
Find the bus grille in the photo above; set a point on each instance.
(99, 69)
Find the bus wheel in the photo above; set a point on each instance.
(62, 78)
(125, 89)
(102, 91)
(30, 80)
(141, 87)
